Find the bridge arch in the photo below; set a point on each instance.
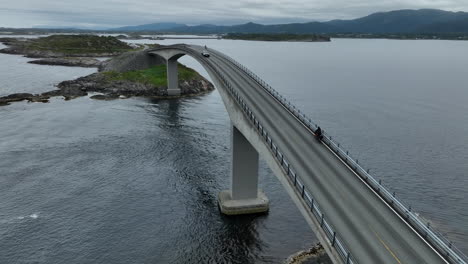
(171, 56)
(244, 196)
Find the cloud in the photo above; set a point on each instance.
(110, 13)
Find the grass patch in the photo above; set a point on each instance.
(78, 44)
(156, 75)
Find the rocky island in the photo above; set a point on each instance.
(278, 37)
(130, 71)
(60, 46)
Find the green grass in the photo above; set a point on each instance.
(156, 75)
(78, 44)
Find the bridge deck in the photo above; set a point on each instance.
(371, 230)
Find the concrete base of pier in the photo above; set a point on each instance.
(229, 206)
(173, 92)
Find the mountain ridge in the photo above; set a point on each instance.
(396, 21)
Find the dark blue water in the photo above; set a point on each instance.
(130, 181)
(135, 180)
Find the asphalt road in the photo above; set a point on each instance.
(370, 229)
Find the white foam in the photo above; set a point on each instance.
(34, 216)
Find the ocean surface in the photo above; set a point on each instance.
(136, 180)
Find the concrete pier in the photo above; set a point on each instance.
(172, 77)
(244, 197)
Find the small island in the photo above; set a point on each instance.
(278, 37)
(129, 72)
(67, 50)
(55, 46)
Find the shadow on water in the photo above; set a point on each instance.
(206, 236)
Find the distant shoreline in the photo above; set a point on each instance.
(400, 36)
(460, 37)
(278, 37)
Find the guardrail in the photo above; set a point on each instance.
(306, 195)
(435, 238)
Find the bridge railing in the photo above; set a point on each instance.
(435, 238)
(305, 194)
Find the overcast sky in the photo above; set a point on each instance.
(111, 13)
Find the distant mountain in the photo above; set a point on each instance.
(458, 26)
(399, 21)
(297, 28)
(149, 27)
(406, 21)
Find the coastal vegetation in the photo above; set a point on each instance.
(130, 71)
(278, 37)
(78, 44)
(156, 75)
(150, 82)
(66, 45)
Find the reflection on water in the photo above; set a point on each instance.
(221, 239)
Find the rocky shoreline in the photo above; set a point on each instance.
(101, 82)
(313, 255)
(66, 54)
(64, 46)
(17, 97)
(109, 89)
(71, 62)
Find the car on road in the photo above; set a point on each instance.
(205, 54)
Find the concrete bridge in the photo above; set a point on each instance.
(356, 219)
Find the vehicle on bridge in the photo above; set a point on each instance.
(205, 54)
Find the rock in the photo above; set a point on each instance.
(105, 97)
(5, 100)
(39, 99)
(23, 96)
(315, 254)
(59, 46)
(110, 88)
(18, 96)
(72, 62)
(52, 93)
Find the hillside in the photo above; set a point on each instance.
(410, 23)
(406, 21)
(148, 27)
(399, 21)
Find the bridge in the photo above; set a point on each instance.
(355, 217)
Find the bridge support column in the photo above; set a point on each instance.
(244, 197)
(172, 77)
